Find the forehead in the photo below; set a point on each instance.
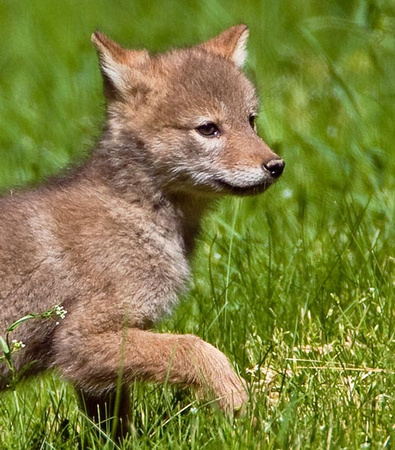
(197, 81)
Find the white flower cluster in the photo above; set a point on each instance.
(17, 345)
(60, 312)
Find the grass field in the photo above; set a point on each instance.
(297, 286)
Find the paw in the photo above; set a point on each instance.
(233, 397)
(217, 379)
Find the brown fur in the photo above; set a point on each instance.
(111, 242)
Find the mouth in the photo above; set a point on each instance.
(244, 190)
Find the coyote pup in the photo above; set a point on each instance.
(110, 241)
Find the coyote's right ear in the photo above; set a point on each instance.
(117, 64)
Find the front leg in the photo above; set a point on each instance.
(94, 363)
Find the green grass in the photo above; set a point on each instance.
(296, 286)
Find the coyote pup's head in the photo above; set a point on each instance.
(188, 116)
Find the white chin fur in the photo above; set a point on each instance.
(245, 178)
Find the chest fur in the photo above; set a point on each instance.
(128, 260)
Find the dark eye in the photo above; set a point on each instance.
(252, 119)
(208, 129)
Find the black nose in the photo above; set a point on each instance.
(275, 167)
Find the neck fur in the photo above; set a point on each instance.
(131, 178)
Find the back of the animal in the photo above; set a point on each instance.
(27, 280)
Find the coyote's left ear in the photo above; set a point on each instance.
(231, 44)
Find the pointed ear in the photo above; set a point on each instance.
(231, 44)
(116, 64)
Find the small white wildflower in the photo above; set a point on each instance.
(60, 311)
(57, 323)
(194, 410)
(17, 345)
